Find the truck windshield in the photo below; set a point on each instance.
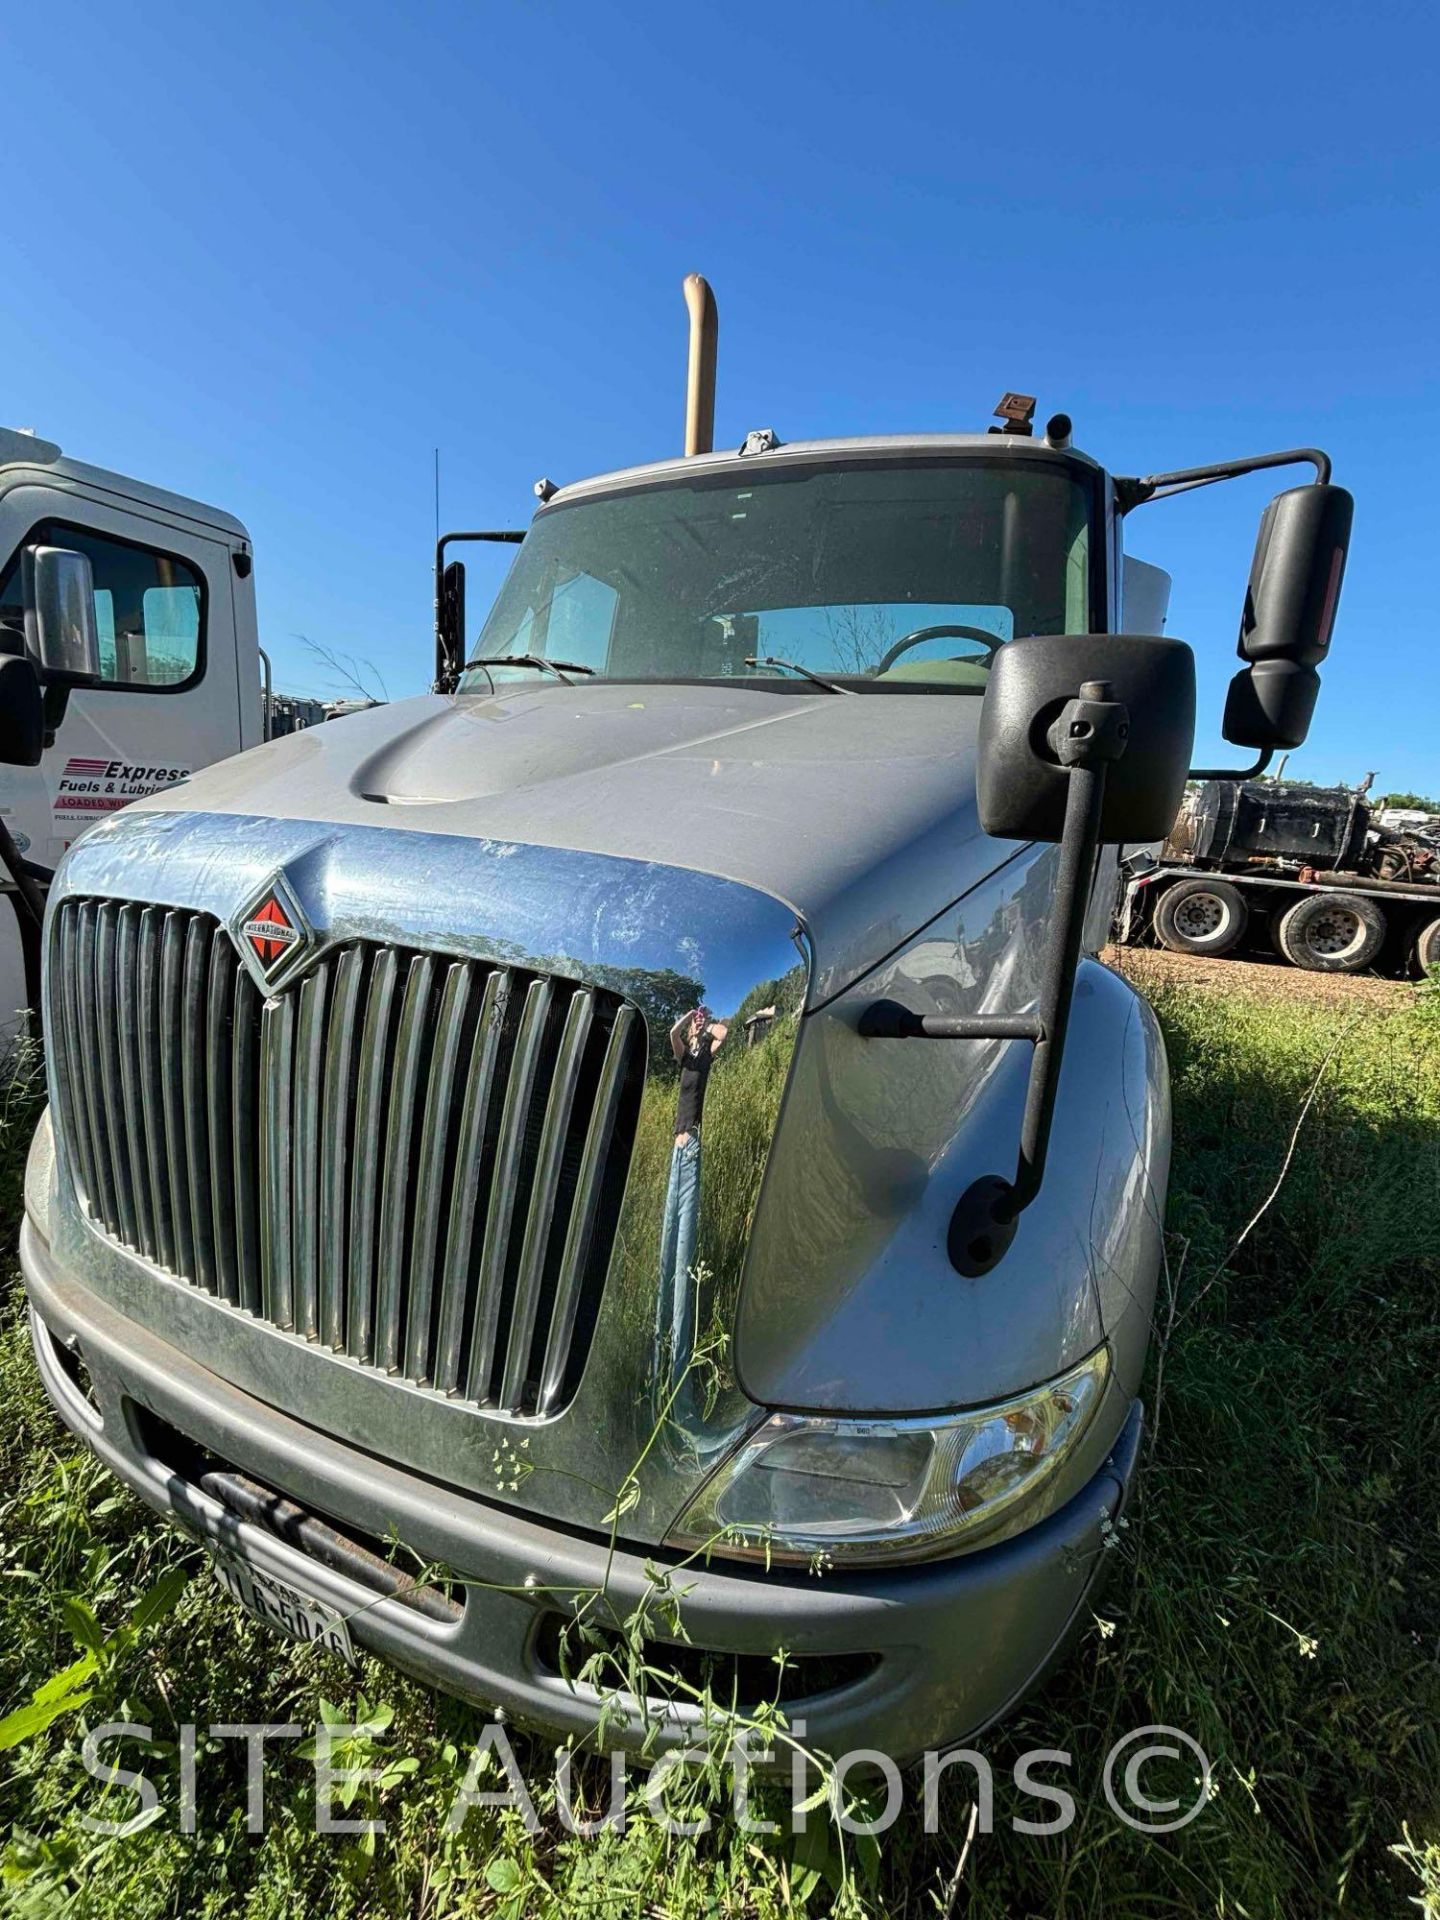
(843, 570)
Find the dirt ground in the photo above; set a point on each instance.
(1260, 979)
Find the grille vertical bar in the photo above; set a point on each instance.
(152, 1094)
(434, 1143)
(127, 1023)
(399, 1138)
(88, 1022)
(75, 1121)
(194, 995)
(277, 1068)
(244, 1129)
(172, 1047)
(369, 1104)
(309, 1056)
(412, 1160)
(544, 1190)
(585, 1209)
(503, 1180)
(219, 1067)
(475, 1105)
(335, 1141)
(103, 988)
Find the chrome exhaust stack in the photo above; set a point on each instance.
(700, 377)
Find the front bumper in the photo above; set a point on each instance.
(947, 1647)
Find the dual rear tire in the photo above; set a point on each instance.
(1202, 915)
(1332, 932)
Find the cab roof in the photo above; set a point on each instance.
(880, 446)
(28, 450)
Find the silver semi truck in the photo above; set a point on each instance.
(640, 1131)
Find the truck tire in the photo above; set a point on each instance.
(1201, 916)
(1331, 932)
(1427, 946)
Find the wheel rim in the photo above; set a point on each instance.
(1335, 932)
(1199, 915)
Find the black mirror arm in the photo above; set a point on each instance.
(450, 647)
(1160, 486)
(1267, 754)
(888, 1020)
(1092, 730)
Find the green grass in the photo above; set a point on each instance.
(1277, 1594)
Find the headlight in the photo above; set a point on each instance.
(889, 1489)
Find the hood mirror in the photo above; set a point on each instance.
(1023, 782)
(1084, 739)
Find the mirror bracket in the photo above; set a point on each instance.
(450, 606)
(1091, 731)
(1131, 493)
(56, 698)
(1267, 754)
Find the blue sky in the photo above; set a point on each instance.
(273, 256)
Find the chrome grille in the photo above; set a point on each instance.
(412, 1159)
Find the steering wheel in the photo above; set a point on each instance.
(991, 642)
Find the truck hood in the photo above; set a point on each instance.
(858, 813)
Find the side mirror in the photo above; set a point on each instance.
(450, 623)
(1022, 780)
(60, 607)
(22, 712)
(1289, 615)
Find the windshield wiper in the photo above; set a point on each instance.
(774, 660)
(561, 669)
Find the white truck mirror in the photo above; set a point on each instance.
(65, 639)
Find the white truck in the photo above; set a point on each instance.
(180, 656)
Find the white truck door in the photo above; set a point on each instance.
(178, 695)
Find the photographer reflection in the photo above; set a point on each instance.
(695, 1039)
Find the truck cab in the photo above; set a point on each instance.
(640, 1132)
(179, 685)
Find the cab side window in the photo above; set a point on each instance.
(149, 607)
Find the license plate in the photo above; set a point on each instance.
(281, 1606)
